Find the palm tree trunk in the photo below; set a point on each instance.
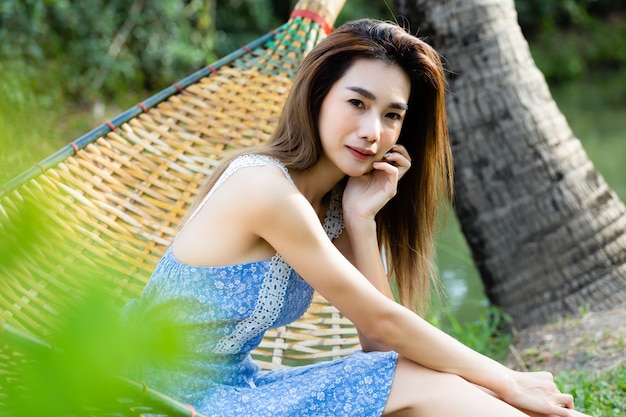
(547, 234)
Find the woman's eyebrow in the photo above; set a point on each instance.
(370, 96)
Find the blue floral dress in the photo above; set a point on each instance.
(217, 315)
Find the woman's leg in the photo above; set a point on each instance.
(419, 391)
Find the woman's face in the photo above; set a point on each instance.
(362, 114)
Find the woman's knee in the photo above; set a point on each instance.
(415, 388)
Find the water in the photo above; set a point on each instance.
(596, 111)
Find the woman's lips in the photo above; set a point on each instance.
(360, 154)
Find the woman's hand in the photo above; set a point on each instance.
(537, 393)
(365, 195)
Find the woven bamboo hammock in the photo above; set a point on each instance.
(106, 206)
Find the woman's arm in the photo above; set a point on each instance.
(360, 246)
(286, 220)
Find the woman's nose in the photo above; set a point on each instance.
(370, 127)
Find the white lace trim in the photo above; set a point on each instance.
(333, 222)
(267, 310)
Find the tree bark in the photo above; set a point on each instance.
(547, 234)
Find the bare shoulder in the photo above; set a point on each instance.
(253, 196)
(225, 230)
(257, 186)
(269, 207)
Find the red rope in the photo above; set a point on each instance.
(317, 18)
(143, 107)
(73, 145)
(193, 411)
(178, 87)
(111, 126)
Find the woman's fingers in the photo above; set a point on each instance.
(393, 175)
(566, 400)
(399, 157)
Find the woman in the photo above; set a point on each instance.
(360, 161)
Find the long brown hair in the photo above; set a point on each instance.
(407, 223)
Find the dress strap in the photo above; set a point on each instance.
(243, 161)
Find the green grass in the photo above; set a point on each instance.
(26, 137)
(597, 394)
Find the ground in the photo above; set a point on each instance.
(593, 341)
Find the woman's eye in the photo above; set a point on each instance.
(357, 103)
(394, 116)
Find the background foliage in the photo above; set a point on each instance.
(97, 50)
(101, 46)
(573, 38)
